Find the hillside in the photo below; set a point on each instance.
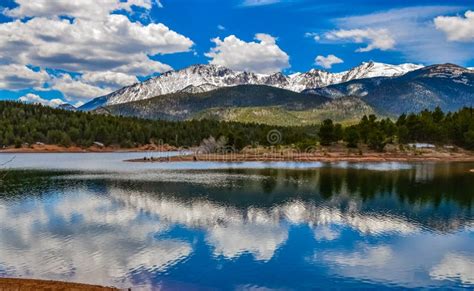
(245, 103)
(448, 86)
(346, 110)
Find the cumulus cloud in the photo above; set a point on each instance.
(77, 89)
(85, 45)
(375, 38)
(108, 49)
(327, 62)
(260, 56)
(109, 79)
(16, 77)
(87, 9)
(33, 98)
(457, 28)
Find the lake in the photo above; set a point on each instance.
(93, 218)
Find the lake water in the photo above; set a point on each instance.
(93, 218)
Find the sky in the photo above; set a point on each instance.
(56, 51)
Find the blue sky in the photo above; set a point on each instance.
(65, 52)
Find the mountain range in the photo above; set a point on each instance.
(447, 86)
(204, 78)
(213, 92)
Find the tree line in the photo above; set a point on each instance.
(28, 123)
(22, 123)
(434, 127)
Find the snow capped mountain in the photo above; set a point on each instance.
(448, 86)
(444, 71)
(373, 69)
(203, 78)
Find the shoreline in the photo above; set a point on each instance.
(92, 149)
(327, 158)
(36, 284)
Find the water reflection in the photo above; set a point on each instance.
(271, 228)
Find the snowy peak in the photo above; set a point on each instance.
(202, 78)
(444, 70)
(373, 69)
(67, 106)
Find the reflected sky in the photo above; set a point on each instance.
(345, 226)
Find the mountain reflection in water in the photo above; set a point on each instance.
(242, 229)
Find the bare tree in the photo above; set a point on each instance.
(211, 145)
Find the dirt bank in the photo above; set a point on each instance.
(30, 284)
(44, 148)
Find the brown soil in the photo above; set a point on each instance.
(7, 284)
(44, 148)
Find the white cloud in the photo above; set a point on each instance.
(16, 77)
(90, 84)
(327, 62)
(313, 35)
(260, 56)
(76, 88)
(414, 32)
(457, 28)
(108, 49)
(376, 38)
(86, 9)
(260, 2)
(109, 79)
(33, 98)
(85, 45)
(143, 66)
(221, 27)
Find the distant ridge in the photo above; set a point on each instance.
(448, 86)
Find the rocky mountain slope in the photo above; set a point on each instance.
(204, 78)
(244, 103)
(448, 86)
(67, 106)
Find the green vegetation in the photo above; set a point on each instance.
(246, 104)
(24, 123)
(345, 111)
(434, 127)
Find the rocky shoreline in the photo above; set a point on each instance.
(313, 157)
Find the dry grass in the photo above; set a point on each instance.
(7, 284)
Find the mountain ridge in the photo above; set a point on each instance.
(244, 103)
(203, 78)
(448, 86)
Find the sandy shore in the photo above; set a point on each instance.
(8, 284)
(92, 149)
(316, 157)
